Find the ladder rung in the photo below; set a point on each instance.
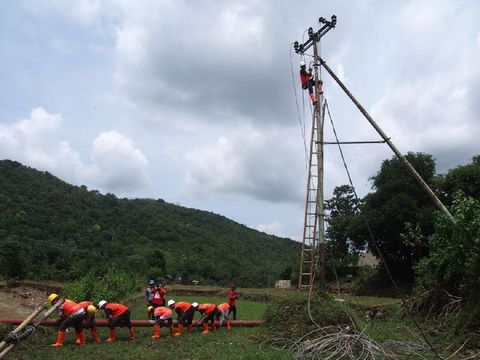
(306, 274)
(304, 286)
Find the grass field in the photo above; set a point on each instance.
(237, 344)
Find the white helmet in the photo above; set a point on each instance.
(302, 63)
(101, 304)
(170, 302)
(195, 304)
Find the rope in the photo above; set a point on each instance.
(372, 237)
(301, 122)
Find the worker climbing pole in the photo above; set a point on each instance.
(313, 245)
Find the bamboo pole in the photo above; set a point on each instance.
(397, 152)
(42, 318)
(25, 322)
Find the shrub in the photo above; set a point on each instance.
(287, 316)
(113, 286)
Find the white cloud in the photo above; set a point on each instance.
(275, 228)
(248, 162)
(117, 165)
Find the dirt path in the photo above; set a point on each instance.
(21, 299)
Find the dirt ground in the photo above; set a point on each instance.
(19, 300)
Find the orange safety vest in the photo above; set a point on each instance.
(117, 309)
(85, 304)
(183, 306)
(223, 307)
(163, 312)
(70, 307)
(207, 308)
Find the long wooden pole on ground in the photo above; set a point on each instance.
(402, 158)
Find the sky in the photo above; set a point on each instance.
(199, 103)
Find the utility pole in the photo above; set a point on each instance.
(313, 247)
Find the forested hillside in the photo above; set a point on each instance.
(52, 230)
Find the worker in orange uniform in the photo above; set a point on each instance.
(232, 296)
(117, 315)
(185, 312)
(162, 316)
(308, 82)
(90, 311)
(208, 312)
(70, 314)
(222, 315)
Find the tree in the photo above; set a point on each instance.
(397, 199)
(465, 178)
(12, 263)
(342, 208)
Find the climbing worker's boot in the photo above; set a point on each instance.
(189, 329)
(131, 330)
(60, 337)
(156, 331)
(95, 335)
(179, 330)
(171, 331)
(320, 87)
(205, 328)
(228, 325)
(113, 336)
(313, 98)
(213, 326)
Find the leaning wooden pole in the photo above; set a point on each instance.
(24, 323)
(40, 320)
(402, 158)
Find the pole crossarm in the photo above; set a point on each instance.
(314, 37)
(353, 142)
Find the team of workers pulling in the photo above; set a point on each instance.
(72, 314)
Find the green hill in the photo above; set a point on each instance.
(52, 230)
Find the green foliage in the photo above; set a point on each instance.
(397, 199)
(465, 178)
(56, 231)
(453, 263)
(287, 316)
(12, 263)
(341, 250)
(113, 286)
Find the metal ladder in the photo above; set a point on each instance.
(309, 256)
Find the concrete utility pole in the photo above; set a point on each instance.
(313, 246)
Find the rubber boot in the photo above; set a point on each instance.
(179, 330)
(189, 329)
(156, 331)
(81, 338)
(313, 98)
(95, 336)
(228, 325)
(205, 328)
(113, 336)
(320, 87)
(131, 330)
(60, 337)
(171, 330)
(213, 326)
